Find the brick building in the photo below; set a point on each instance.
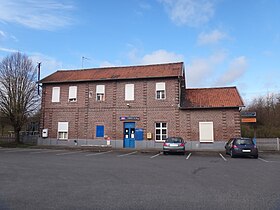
(132, 103)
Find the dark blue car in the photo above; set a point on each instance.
(241, 147)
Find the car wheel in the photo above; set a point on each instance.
(232, 154)
(256, 156)
(165, 153)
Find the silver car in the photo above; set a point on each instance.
(174, 144)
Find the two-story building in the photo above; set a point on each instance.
(127, 104)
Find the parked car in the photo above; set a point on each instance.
(174, 144)
(241, 147)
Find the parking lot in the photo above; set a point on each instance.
(128, 179)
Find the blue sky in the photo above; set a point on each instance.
(222, 42)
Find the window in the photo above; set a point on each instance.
(55, 94)
(100, 131)
(73, 93)
(100, 92)
(206, 133)
(129, 92)
(160, 90)
(62, 130)
(161, 131)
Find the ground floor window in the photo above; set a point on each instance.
(62, 130)
(99, 131)
(161, 131)
(206, 132)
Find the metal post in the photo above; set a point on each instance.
(277, 140)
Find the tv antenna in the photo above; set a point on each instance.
(83, 59)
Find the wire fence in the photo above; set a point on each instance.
(268, 144)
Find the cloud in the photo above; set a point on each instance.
(236, 69)
(42, 15)
(189, 12)
(161, 56)
(211, 37)
(8, 50)
(2, 34)
(200, 71)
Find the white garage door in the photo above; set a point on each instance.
(206, 133)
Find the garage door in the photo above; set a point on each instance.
(206, 133)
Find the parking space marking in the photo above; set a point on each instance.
(21, 150)
(188, 156)
(99, 153)
(267, 161)
(69, 153)
(155, 155)
(222, 157)
(45, 151)
(127, 154)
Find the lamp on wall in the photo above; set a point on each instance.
(128, 105)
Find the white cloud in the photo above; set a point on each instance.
(8, 50)
(211, 37)
(200, 71)
(161, 56)
(44, 14)
(189, 12)
(2, 34)
(107, 64)
(236, 69)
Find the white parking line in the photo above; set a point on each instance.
(223, 157)
(155, 155)
(99, 153)
(46, 151)
(264, 160)
(188, 156)
(69, 153)
(127, 154)
(21, 150)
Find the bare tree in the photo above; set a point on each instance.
(18, 93)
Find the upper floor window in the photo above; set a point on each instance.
(160, 90)
(73, 93)
(55, 94)
(129, 92)
(100, 92)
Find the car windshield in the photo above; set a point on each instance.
(243, 141)
(174, 140)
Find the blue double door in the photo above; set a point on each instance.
(129, 135)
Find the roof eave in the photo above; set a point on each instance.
(215, 107)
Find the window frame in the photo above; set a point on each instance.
(72, 93)
(129, 92)
(160, 91)
(62, 129)
(55, 94)
(161, 134)
(100, 93)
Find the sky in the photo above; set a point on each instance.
(221, 42)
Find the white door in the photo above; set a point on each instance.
(206, 133)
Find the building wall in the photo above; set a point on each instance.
(84, 114)
(226, 123)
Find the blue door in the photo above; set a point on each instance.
(129, 135)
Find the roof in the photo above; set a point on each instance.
(212, 98)
(116, 73)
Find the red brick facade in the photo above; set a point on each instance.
(86, 113)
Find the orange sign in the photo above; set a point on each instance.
(249, 120)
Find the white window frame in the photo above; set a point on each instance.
(206, 132)
(161, 134)
(160, 91)
(62, 130)
(72, 94)
(100, 92)
(129, 92)
(55, 94)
